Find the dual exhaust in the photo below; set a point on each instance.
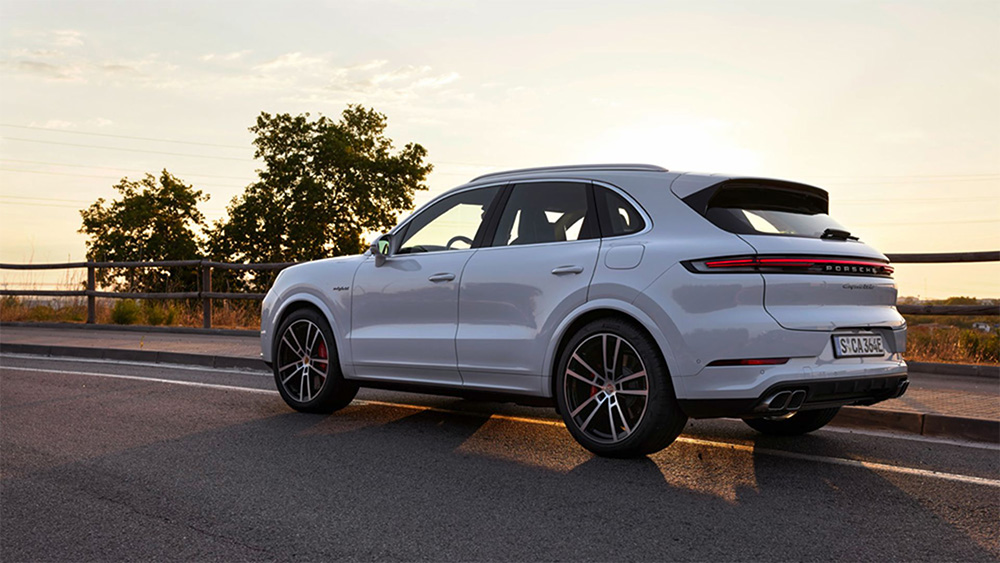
(783, 401)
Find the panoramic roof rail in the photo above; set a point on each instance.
(576, 168)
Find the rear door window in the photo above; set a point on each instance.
(545, 212)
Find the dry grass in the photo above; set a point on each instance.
(950, 339)
(225, 314)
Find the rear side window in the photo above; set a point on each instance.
(618, 216)
(779, 208)
(543, 212)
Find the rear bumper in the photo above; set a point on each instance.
(785, 397)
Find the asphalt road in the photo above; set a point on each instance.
(104, 461)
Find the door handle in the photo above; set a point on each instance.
(567, 270)
(442, 277)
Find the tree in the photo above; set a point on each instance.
(324, 184)
(151, 221)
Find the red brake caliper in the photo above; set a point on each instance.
(321, 352)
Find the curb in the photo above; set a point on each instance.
(956, 369)
(151, 356)
(924, 424)
(136, 328)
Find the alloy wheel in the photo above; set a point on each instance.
(303, 360)
(606, 388)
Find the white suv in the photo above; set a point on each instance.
(628, 296)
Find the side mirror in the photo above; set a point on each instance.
(380, 249)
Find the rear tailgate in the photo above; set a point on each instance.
(826, 301)
(816, 275)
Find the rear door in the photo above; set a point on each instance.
(533, 271)
(816, 275)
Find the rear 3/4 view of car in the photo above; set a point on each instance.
(630, 297)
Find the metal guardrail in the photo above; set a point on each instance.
(206, 295)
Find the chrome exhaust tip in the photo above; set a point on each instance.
(903, 386)
(777, 402)
(795, 401)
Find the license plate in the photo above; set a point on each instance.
(857, 345)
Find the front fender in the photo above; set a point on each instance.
(304, 284)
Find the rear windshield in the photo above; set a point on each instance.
(766, 209)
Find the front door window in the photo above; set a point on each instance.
(450, 224)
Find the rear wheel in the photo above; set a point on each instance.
(306, 366)
(614, 391)
(800, 422)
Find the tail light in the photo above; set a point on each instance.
(791, 265)
(750, 362)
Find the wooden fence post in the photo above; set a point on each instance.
(91, 299)
(206, 302)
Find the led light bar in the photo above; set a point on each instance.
(791, 265)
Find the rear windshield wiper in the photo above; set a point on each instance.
(837, 234)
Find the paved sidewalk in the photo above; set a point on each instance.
(931, 401)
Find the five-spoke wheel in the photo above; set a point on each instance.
(305, 364)
(614, 391)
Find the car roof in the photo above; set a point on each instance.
(573, 168)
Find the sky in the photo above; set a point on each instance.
(893, 107)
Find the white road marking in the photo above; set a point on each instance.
(152, 379)
(237, 371)
(874, 466)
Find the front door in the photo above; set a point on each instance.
(404, 313)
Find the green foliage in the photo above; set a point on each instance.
(159, 313)
(150, 221)
(125, 312)
(324, 185)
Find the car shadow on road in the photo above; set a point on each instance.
(382, 482)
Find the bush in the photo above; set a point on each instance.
(125, 312)
(159, 313)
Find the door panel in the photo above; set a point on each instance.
(405, 311)
(403, 322)
(511, 303)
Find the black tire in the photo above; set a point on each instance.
(661, 419)
(801, 422)
(297, 385)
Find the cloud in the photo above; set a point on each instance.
(42, 69)
(119, 68)
(290, 61)
(235, 55)
(54, 124)
(67, 38)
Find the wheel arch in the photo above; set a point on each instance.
(598, 309)
(299, 301)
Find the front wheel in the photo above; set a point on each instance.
(800, 422)
(614, 391)
(306, 366)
